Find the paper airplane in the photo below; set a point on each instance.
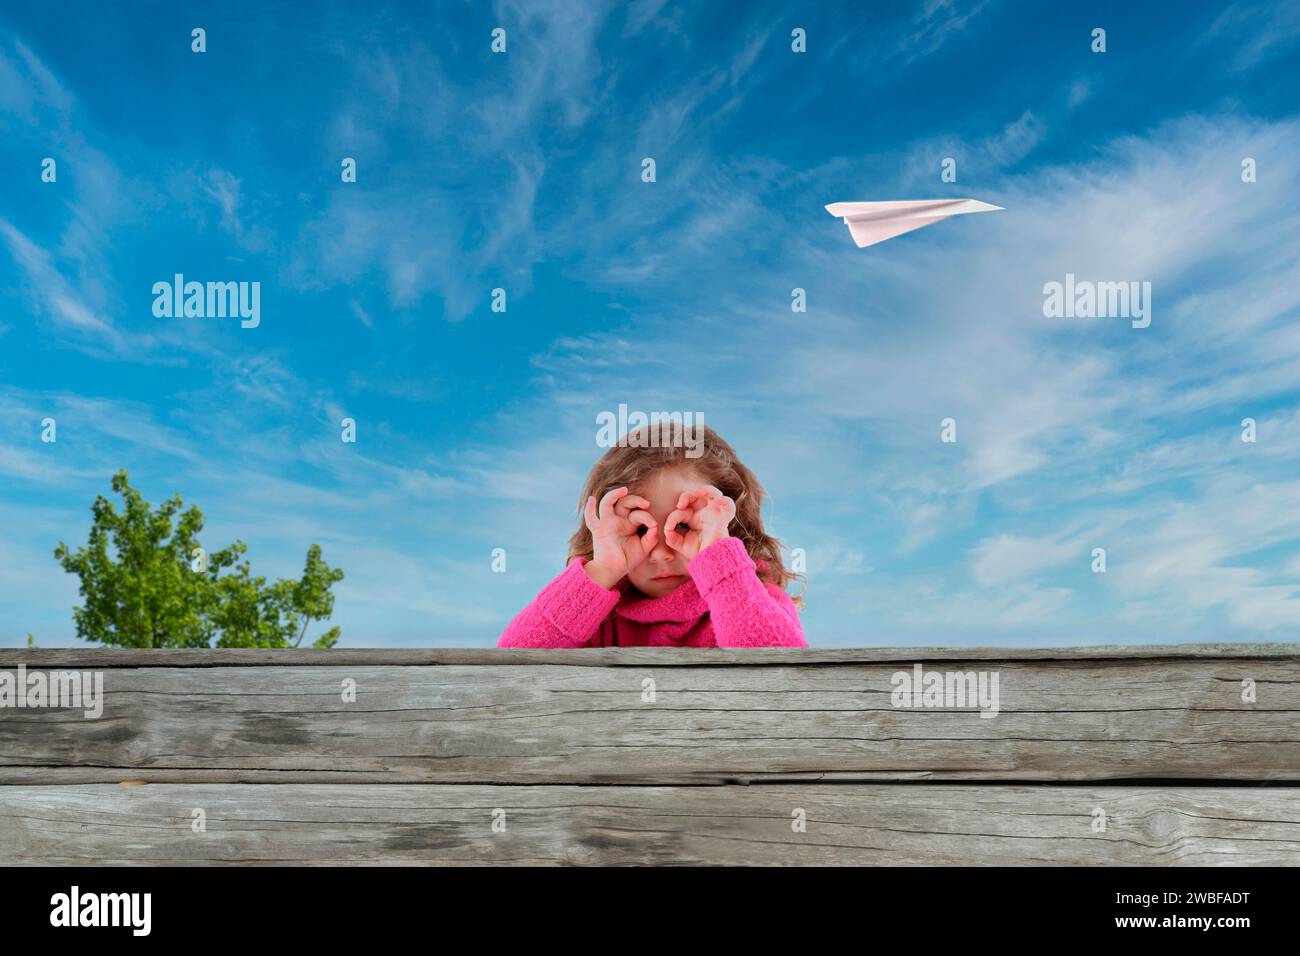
(872, 222)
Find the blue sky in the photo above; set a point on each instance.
(522, 171)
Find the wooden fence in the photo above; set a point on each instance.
(1160, 755)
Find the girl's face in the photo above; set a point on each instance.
(664, 570)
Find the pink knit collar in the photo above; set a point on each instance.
(683, 603)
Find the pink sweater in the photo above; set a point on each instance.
(724, 604)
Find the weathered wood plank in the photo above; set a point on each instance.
(858, 824)
(1069, 720)
(95, 656)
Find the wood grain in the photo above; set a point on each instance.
(1060, 720)
(648, 756)
(855, 824)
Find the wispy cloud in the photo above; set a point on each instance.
(936, 23)
(1253, 32)
(49, 293)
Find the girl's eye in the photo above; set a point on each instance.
(682, 527)
(641, 530)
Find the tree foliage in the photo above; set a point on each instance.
(147, 582)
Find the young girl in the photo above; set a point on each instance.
(671, 553)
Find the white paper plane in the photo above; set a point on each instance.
(872, 222)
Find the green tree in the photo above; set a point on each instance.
(146, 582)
(251, 613)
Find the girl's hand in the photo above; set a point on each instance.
(701, 518)
(615, 544)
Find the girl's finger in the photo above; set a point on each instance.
(608, 501)
(642, 518)
(699, 497)
(630, 504)
(650, 538)
(671, 534)
(707, 492)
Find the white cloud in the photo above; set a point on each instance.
(49, 293)
(1004, 558)
(935, 24)
(1253, 32)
